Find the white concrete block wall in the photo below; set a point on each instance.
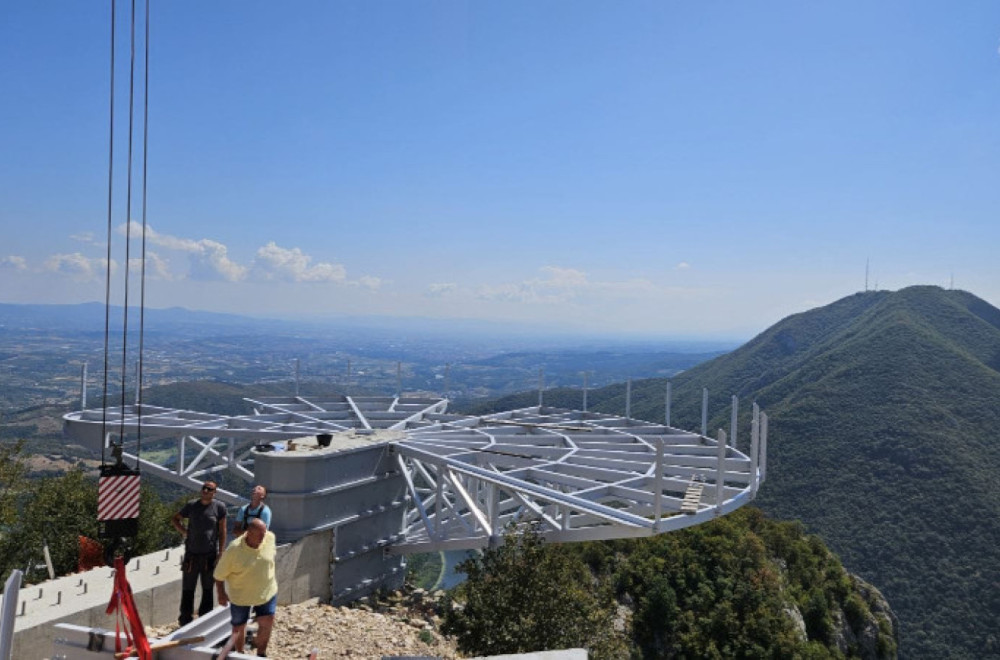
(82, 599)
(303, 570)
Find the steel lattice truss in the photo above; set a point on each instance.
(575, 475)
(188, 447)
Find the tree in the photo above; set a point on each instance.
(57, 511)
(524, 596)
(12, 471)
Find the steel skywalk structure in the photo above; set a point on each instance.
(575, 475)
(580, 476)
(227, 442)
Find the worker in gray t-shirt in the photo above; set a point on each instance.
(204, 541)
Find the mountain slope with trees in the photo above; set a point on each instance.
(741, 586)
(884, 408)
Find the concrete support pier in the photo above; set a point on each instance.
(350, 485)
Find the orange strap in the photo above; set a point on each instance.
(123, 603)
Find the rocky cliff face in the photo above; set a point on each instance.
(864, 627)
(872, 634)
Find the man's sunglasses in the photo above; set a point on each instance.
(207, 489)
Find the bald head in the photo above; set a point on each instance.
(256, 529)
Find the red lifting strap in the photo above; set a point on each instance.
(123, 602)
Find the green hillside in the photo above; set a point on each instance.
(884, 408)
(741, 586)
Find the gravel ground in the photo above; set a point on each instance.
(343, 632)
(404, 625)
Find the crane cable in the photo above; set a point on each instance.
(142, 278)
(128, 220)
(118, 487)
(107, 260)
(128, 231)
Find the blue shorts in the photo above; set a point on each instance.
(240, 614)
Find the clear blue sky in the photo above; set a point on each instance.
(675, 168)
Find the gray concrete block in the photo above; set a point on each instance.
(303, 569)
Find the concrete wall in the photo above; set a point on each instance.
(303, 572)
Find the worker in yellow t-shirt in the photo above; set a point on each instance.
(247, 567)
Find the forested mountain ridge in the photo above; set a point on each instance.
(884, 408)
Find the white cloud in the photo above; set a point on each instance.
(156, 266)
(14, 262)
(213, 262)
(153, 237)
(560, 285)
(682, 266)
(369, 282)
(293, 265)
(563, 277)
(634, 288)
(78, 266)
(440, 289)
(86, 237)
(209, 259)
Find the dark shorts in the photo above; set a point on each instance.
(240, 614)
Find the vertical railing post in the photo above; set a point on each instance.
(83, 387)
(658, 493)
(666, 407)
(9, 613)
(704, 411)
(628, 399)
(763, 446)
(399, 379)
(541, 386)
(439, 501)
(733, 421)
(720, 473)
(754, 448)
(48, 560)
(492, 506)
(584, 391)
(297, 367)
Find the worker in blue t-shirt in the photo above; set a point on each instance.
(256, 509)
